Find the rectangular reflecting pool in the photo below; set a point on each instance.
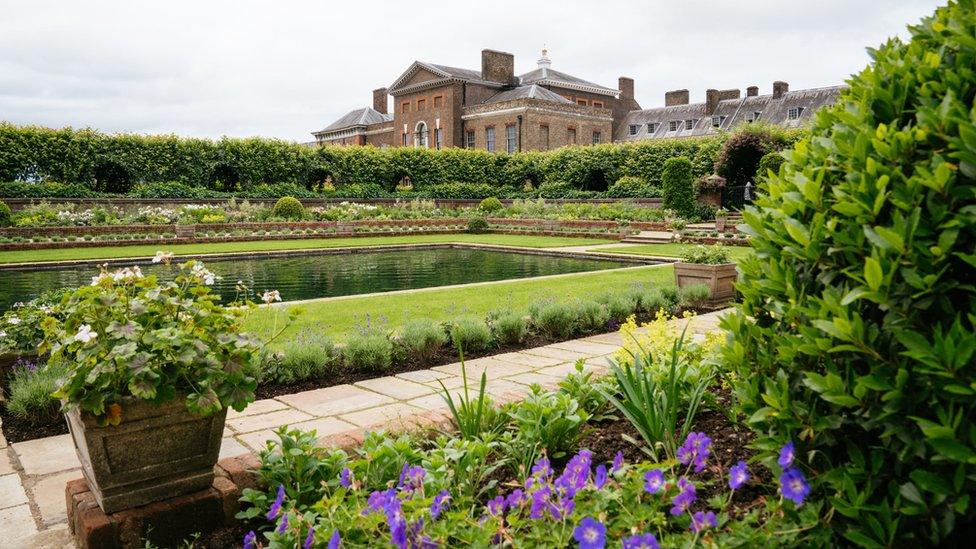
(310, 276)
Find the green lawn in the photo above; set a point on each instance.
(147, 250)
(338, 317)
(669, 250)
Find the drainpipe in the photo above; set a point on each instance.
(519, 118)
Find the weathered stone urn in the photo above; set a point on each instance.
(718, 278)
(155, 453)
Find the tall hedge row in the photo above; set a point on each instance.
(116, 163)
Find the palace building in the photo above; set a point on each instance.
(494, 109)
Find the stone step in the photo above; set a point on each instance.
(649, 237)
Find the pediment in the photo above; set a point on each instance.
(418, 73)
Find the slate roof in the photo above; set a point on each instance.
(531, 91)
(547, 76)
(729, 113)
(359, 117)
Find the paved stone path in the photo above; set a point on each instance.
(33, 474)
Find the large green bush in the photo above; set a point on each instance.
(679, 190)
(738, 161)
(856, 337)
(4, 214)
(289, 207)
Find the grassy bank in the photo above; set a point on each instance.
(147, 250)
(338, 317)
(669, 250)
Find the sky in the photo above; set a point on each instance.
(209, 68)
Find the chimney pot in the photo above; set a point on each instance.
(752, 91)
(676, 97)
(780, 88)
(380, 100)
(498, 66)
(626, 87)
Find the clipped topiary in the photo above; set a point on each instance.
(770, 162)
(491, 205)
(477, 225)
(288, 207)
(678, 189)
(856, 337)
(5, 215)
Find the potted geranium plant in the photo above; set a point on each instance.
(709, 265)
(677, 227)
(152, 367)
(20, 328)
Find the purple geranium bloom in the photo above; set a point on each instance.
(738, 475)
(412, 478)
(396, 522)
(496, 506)
(590, 534)
(540, 502)
(541, 469)
(696, 449)
(440, 503)
(701, 520)
(654, 481)
(282, 525)
(251, 540)
(515, 499)
(378, 500)
(686, 496)
(309, 539)
(335, 539)
(576, 473)
(275, 509)
(793, 485)
(786, 454)
(641, 541)
(618, 462)
(345, 478)
(600, 478)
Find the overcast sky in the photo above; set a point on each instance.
(283, 69)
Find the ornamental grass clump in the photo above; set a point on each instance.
(856, 336)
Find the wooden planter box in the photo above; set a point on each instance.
(155, 453)
(718, 278)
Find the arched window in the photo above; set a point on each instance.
(421, 135)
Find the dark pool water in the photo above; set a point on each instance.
(329, 275)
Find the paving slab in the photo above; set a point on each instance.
(48, 494)
(257, 407)
(395, 387)
(18, 523)
(493, 368)
(43, 456)
(430, 402)
(554, 352)
(586, 347)
(616, 339)
(423, 376)
(247, 424)
(331, 401)
(562, 370)
(535, 361)
(534, 378)
(11, 491)
(396, 413)
(230, 447)
(56, 537)
(6, 466)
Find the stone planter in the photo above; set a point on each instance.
(718, 278)
(186, 231)
(720, 223)
(155, 453)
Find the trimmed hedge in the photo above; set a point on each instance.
(85, 161)
(679, 187)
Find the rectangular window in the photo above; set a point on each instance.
(581, 102)
(405, 107)
(544, 137)
(438, 142)
(633, 129)
(490, 139)
(717, 121)
(756, 115)
(651, 128)
(438, 101)
(421, 104)
(689, 124)
(571, 136)
(511, 140)
(795, 112)
(405, 140)
(469, 139)
(673, 126)
(598, 104)
(596, 138)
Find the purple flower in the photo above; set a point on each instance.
(396, 522)
(563, 508)
(282, 524)
(251, 540)
(590, 534)
(786, 454)
(700, 521)
(496, 506)
(440, 503)
(576, 473)
(345, 478)
(696, 449)
(541, 469)
(412, 478)
(793, 485)
(641, 541)
(653, 481)
(378, 501)
(335, 539)
(275, 509)
(618, 462)
(310, 538)
(516, 499)
(738, 475)
(600, 478)
(540, 502)
(686, 496)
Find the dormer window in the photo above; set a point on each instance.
(651, 128)
(794, 113)
(673, 126)
(633, 129)
(717, 121)
(690, 123)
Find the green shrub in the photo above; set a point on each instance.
(491, 205)
(632, 187)
(477, 225)
(510, 328)
(31, 388)
(471, 333)
(545, 422)
(46, 189)
(770, 162)
(289, 207)
(305, 357)
(738, 162)
(554, 319)
(592, 316)
(654, 300)
(619, 306)
(694, 296)
(706, 255)
(5, 214)
(856, 334)
(422, 338)
(369, 351)
(678, 190)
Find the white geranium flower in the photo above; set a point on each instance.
(271, 296)
(3, 334)
(85, 334)
(13, 320)
(162, 257)
(200, 271)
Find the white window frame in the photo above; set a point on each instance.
(717, 121)
(469, 138)
(794, 113)
(511, 139)
(673, 126)
(651, 128)
(490, 139)
(690, 124)
(422, 133)
(633, 129)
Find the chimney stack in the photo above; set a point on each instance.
(712, 98)
(380, 100)
(780, 88)
(626, 87)
(676, 97)
(498, 66)
(752, 91)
